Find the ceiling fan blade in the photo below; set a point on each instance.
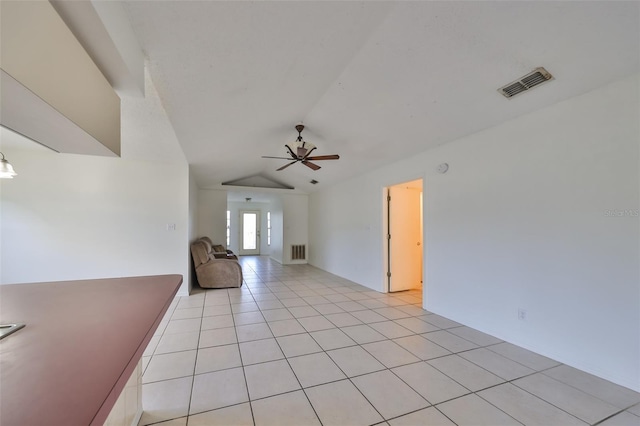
(324, 157)
(291, 152)
(286, 165)
(279, 158)
(310, 165)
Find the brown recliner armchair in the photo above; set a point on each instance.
(217, 251)
(212, 272)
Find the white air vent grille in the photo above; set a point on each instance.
(298, 252)
(533, 79)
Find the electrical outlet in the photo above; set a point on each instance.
(522, 314)
(171, 226)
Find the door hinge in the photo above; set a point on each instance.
(389, 274)
(388, 197)
(388, 236)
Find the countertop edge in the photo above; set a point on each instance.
(105, 409)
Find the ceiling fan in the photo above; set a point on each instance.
(300, 151)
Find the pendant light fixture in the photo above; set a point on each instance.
(6, 169)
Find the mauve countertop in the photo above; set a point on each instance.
(82, 341)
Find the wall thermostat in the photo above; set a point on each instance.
(442, 168)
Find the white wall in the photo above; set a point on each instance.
(346, 225)
(523, 219)
(212, 215)
(193, 222)
(295, 223)
(69, 217)
(277, 230)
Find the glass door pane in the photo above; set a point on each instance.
(249, 231)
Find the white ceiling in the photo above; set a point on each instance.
(372, 81)
(13, 140)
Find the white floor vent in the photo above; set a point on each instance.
(298, 252)
(529, 81)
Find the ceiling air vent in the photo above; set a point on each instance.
(529, 81)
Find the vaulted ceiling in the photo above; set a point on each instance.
(372, 81)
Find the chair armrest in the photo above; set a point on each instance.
(219, 273)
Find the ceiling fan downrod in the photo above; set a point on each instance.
(300, 128)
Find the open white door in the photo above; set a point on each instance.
(249, 233)
(405, 236)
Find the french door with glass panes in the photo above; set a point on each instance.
(249, 232)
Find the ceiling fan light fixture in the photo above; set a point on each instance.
(294, 146)
(6, 169)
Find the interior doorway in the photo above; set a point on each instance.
(249, 232)
(404, 234)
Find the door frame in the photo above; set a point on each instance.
(386, 246)
(241, 250)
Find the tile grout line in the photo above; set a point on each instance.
(346, 376)
(154, 354)
(542, 399)
(244, 374)
(292, 370)
(389, 369)
(613, 415)
(195, 364)
(581, 390)
(321, 384)
(288, 289)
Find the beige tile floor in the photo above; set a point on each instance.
(299, 346)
